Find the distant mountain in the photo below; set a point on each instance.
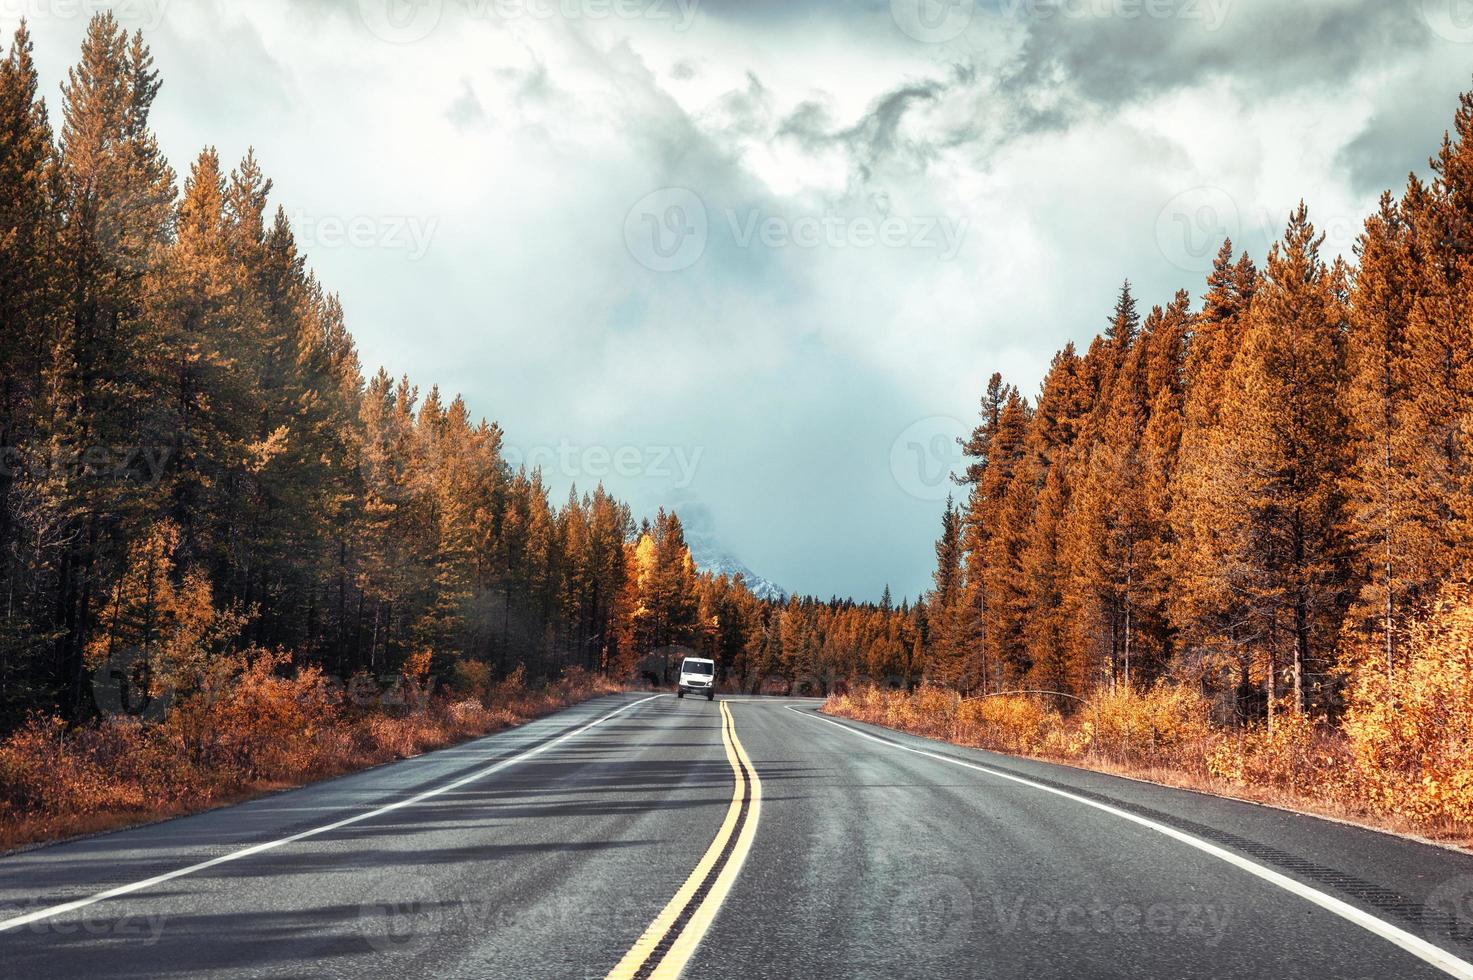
(726, 565)
(712, 555)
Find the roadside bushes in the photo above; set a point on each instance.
(251, 723)
(1007, 724)
(1410, 734)
(1401, 751)
(1166, 724)
(1299, 758)
(256, 724)
(1022, 725)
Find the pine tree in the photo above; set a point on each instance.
(1057, 424)
(31, 514)
(1279, 505)
(115, 193)
(1385, 518)
(976, 447)
(27, 247)
(1203, 610)
(987, 635)
(193, 316)
(1437, 433)
(945, 663)
(1167, 342)
(1107, 512)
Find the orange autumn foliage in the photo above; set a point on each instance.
(255, 724)
(1157, 724)
(1402, 754)
(1410, 735)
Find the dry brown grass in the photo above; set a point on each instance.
(254, 730)
(1164, 736)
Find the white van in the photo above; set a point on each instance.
(697, 676)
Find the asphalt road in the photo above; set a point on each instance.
(754, 839)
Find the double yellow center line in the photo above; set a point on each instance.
(668, 944)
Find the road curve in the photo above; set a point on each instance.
(550, 850)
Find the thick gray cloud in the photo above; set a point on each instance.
(657, 237)
(1265, 48)
(1406, 128)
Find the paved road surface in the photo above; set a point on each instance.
(745, 838)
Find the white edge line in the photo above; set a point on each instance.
(72, 906)
(1417, 946)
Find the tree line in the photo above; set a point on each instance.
(1241, 493)
(194, 461)
(1238, 492)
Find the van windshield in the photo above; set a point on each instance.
(690, 667)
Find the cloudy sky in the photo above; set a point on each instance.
(765, 253)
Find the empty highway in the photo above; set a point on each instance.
(638, 836)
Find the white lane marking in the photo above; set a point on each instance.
(1434, 955)
(64, 907)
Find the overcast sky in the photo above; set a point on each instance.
(766, 252)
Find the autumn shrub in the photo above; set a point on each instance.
(471, 678)
(929, 711)
(467, 713)
(574, 679)
(1163, 724)
(1299, 755)
(1009, 723)
(262, 724)
(250, 721)
(42, 771)
(1410, 734)
(851, 704)
(510, 689)
(874, 705)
